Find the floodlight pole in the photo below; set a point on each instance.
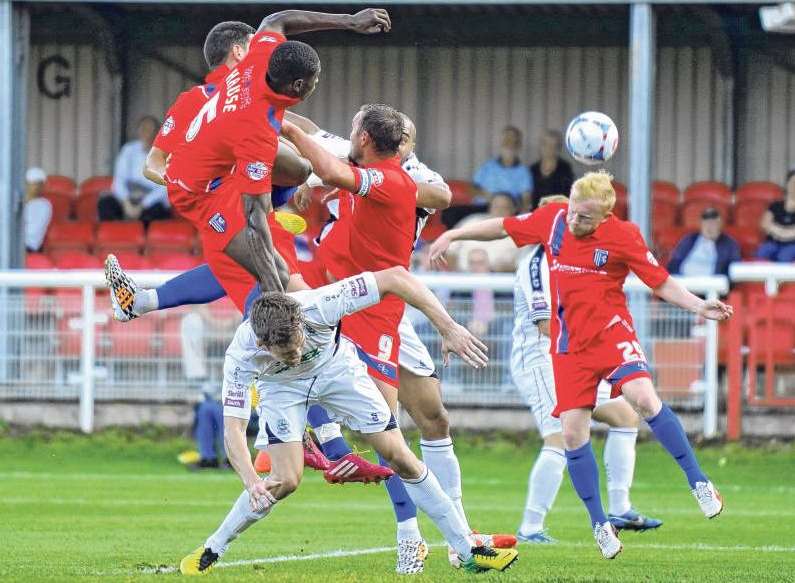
(641, 113)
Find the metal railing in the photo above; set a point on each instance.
(60, 343)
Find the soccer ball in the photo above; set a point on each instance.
(592, 138)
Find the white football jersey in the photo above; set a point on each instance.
(532, 303)
(323, 309)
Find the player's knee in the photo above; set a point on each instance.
(575, 437)
(288, 484)
(404, 463)
(641, 395)
(434, 424)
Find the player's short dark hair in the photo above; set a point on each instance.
(275, 317)
(220, 39)
(290, 61)
(148, 118)
(384, 125)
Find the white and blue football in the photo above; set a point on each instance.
(592, 138)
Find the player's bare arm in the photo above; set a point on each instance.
(238, 455)
(488, 230)
(290, 169)
(434, 196)
(288, 22)
(155, 165)
(455, 338)
(330, 169)
(675, 293)
(306, 124)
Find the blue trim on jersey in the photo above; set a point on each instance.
(280, 195)
(392, 423)
(563, 339)
(272, 439)
(535, 270)
(557, 234)
(275, 123)
(384, 368)
(627, 369)
(215, 183)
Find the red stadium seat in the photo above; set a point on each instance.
(462, 192)
(780, 340)
(692, 209)
(57, 184)
(716, 192)
(65, 236)
(163, 236)
(662, 191)
(120, 236)
(61, 205)
(748, 239)
(38, 261)
(75, 260)
(663, 215)
(36, 297)
(761, 191)
(434, 227)
(748, 213)
(131, 261)
(174, 261)
(665, 241)
(96, 185)
(86, 207)
(70, 337)
(131, 339)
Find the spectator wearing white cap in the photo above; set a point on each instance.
(37, 211)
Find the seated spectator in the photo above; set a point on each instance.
(779, 225)
(708, 252)
(134, 197)
(551, 174)
(37, 212)
(502, 253)
(505, 173)
(199, 328)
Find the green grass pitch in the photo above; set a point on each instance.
(118, 507)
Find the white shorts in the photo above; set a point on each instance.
(537, 386)
(342, 387)
(413, 355)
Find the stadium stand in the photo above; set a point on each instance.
(77, 236)
(120, 236)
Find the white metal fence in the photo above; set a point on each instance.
(61, 344)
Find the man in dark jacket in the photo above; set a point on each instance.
(708, 252)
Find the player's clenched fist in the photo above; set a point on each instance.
(372, 20)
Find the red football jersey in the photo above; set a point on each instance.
(586, 274)
(236, 131)
(380, 230)
(185, 108)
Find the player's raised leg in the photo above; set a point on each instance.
(669, 432)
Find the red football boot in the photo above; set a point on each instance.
(313, 457)
(353, 468)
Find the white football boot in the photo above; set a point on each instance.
(709, 499)
(122, 290)
(411, 556)
(606, 538)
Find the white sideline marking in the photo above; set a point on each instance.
(376, 550)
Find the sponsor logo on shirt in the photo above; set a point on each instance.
(376, 176)
(236, 393)
(267, 39)
(282, 426)
(374, 417)
(599, 257)
(651, 258)
(217, 223)
(562, 267)
(256, 170)
(234, 403)
(168, 125)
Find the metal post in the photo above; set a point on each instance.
(641, 113)
(711, 376)
(87, 362)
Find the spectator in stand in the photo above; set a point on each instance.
(505, 173)
(551, 174)
(779, 225)
(482, 299)
(708, 252)
(502, 253)
(134, 197)
(202, 330)
(37, 212)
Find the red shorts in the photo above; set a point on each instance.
(614, 356)
(374, 331)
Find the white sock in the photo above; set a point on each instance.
(408, 530)
(440, 458)
(429, 497)
(145, 301)
(240, 517)
(620, 467)
(327, 432)
(542, 488)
